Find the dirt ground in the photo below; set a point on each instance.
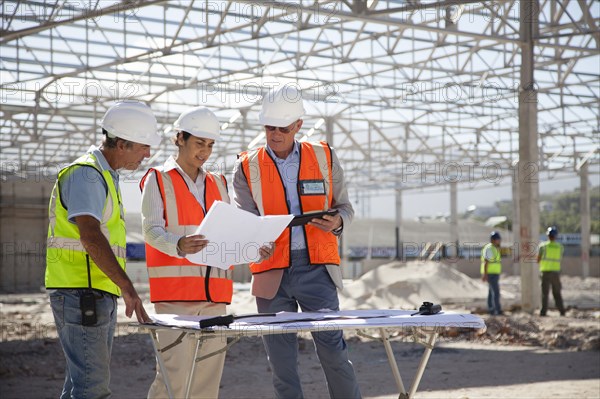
(518, 356)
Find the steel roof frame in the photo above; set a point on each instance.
(397, 83)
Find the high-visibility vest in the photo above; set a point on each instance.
(268, 192)
(494, 264)
(177, 279)
(68, 264)
(551, 252)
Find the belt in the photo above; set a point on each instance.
(299, 256)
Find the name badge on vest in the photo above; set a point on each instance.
(312, 187)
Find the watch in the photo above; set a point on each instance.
(338, 231)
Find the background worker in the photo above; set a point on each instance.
(491, 267)
(549, 257)
(85, 259)
(175, 199)
(289, 177)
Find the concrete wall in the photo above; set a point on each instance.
(23, 231)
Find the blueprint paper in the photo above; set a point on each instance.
(349, 319)
(235, 235)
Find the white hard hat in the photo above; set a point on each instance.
(132, 121)
(281, 107)
(200, 122)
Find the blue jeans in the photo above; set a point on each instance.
(310, 287)
(87, 348)
(494, 294)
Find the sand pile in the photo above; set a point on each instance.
(407, 285)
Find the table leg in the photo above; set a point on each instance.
(161, 364)
(424, 359)
(193, 367)
(392, 361)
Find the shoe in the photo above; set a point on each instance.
(542, 314)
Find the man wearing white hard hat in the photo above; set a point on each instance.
(175, 199)
(287, 176)
(85, 261)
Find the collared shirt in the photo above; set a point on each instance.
(288, 169)
(83, 191)
(492, 253)
(153, 222)
(242, 195)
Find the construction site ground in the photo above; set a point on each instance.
(518, 356)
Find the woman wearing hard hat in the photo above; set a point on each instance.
(175, 199)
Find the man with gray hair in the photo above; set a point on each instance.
(287, 176)
(85, 258)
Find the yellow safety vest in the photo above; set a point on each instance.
(551, 252)
(68, 265)
(494, 264)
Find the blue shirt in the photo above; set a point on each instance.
(83, 191)
(288, 169)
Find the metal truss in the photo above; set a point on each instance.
(410, 93)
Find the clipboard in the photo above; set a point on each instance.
(303, 219)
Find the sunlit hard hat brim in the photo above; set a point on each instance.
(201, 134)
(279, 122)
(152, 140)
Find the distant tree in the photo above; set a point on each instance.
(505, 208)
(565, 213)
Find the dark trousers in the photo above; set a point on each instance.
(494, 307)
(551, 279)
(310, 288)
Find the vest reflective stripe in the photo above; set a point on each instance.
(74, 244)
(324, 162)
(187, 271)
(551, 256)
(495, 264)
(177, 279)
(268, 192)
(68, 264)
(252, 171)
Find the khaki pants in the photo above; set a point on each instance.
(178, 360)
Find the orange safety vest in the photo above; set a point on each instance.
(268, 192)
(177, 279)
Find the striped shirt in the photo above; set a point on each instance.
(153, 222)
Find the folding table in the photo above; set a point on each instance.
(425, 330)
